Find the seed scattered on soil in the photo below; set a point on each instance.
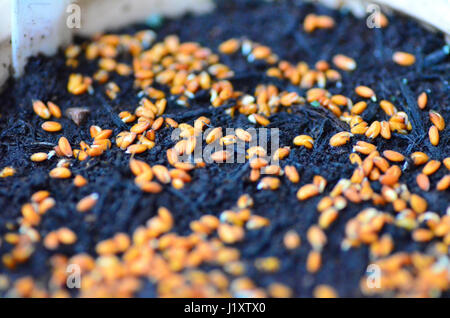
(361, 168)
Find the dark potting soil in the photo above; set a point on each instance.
(122, 206)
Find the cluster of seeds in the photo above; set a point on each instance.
(173, 261)
(27, 236)
(153, 251)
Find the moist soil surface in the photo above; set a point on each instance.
(122, 206)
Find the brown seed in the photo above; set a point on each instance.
(382, 20)
(418, 204)
(314, 261)
(150, 187)
(268, 183)
(40, 109)
(230, 233)
(104, 144)
(46, 205)
(364, 91)
(177, 184)
(126, 140)
(79, 181)
(399, 205)
(353, 195)
(364, 147)
(385, 131)
(214, 134)
(344, 62)
(281, 153)
(444, 183)
(358, 108)
(292, 174)
(77, 84)
(139, 167)
(316, 237)
(51, 126)
(310, 23)
(423, 181)
(422, 100)
(437, 120)
(358, 175)
(94, 131)
(80, 155)
(419, 158)
(144, 176)
(261, 52)
(127, 117)
(77, 114)
(172, 123)
(374, 130)
(304, 140)
(184, 166)
(291, 240)
(277, 290)
(340, 139)
(320, 182)
(327, 217)
(30, 215)
(157, 123)
(54, 109)
(324, 203)
(393, 156)
(389, 194)
(259, 119)
(446, 162)
(103, 134)
(391, 176)
(258, 163)
(87, 203)
(227, 140)
(64, 147)
(220, 156)
(106, 247)
(325, 291)
(431, 167)
(256, 222)
(60, 173)
(388, 107)
(322, 65)
(307, 191)
(39, 157)
(94, 151)
(381, 163)
(161, 173)
(140, 127)
(243, 135)
(324, 22)
(40, 196)
(66, 236)
(422, 235)
(136, 149)
(201, 122)
(229, 47)
(51, 241)
(433, 134)
(272, 169)
(7, 172)
(355, 159)
(359, 129)
(403, 58)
